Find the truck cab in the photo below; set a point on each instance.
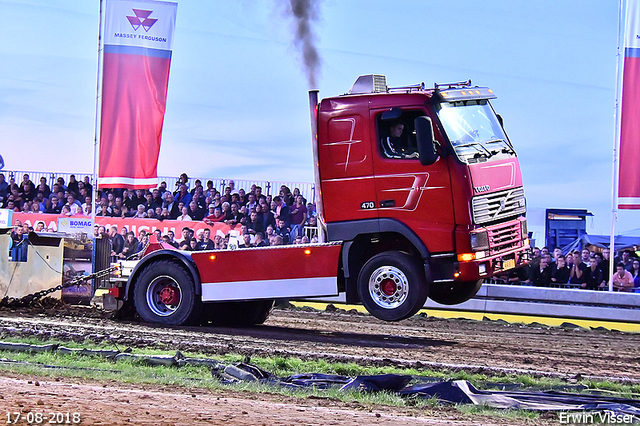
(427, 175)
(419, 195)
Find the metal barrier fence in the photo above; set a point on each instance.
(307, 189)
(568, 303)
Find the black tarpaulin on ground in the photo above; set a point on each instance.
(455, 392)
(463, 392)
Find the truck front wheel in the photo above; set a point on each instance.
(392, 286)
(164, 293)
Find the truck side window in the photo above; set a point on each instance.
(397, 137)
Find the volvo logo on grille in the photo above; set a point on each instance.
(503, 205)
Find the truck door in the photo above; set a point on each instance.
(416, 195)
(346, 169)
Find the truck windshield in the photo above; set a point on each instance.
(474, 131)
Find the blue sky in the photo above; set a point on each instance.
(237, 102)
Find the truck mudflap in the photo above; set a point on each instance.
(268, 273)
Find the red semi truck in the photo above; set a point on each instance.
(419, 195)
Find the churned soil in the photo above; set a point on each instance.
(479, 346)
(95, 403)
(336, 335)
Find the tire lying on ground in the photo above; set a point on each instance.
(164, 293)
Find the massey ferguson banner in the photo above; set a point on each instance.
(137, 53)
(629, 169)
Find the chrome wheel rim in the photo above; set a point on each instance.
(157, 298)
(388, 287)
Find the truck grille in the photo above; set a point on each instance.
(499, 205)
(502, 238)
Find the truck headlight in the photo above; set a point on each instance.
(480, 241)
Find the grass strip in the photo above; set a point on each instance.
(74, 365)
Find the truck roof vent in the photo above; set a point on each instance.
(370, 83)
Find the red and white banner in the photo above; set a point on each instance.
(137, 54)
(629, 164)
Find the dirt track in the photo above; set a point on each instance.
(117, 403)
(355, 337)
(480, 346)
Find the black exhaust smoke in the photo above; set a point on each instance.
(304, 14)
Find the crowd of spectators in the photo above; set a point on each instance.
(62, 198)
(579, 269)
(232, 207)
(256, 219)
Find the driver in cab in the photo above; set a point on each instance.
(392, 144)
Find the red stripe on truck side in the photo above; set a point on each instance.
(288, 262)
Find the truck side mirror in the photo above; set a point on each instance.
(426, 140)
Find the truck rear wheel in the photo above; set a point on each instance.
(455, 293)
(392, 286)
(164, 293)
(237, 314)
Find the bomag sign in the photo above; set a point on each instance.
(75, 226)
